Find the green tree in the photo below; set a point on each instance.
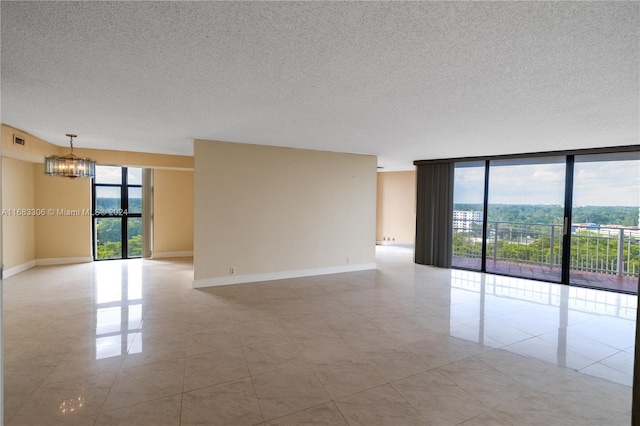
(134, 245)
(109, 229)
(109, 250)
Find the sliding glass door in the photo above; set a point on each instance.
(605, 238)
(525, 217)
(468, 208)
(571, 219)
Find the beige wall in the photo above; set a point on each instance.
(275, 212)
(396, 207)
(65, 231)
(61, 238)
(173, 212)
(49, 232)
(35, 149)
(18, 237)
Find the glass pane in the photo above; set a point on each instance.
(468, 201)
(525, 217)
(108, 200)
(604, 227)
(134, 176)
(108, 174)
(109, 238)
(134, 237)
(135, 200)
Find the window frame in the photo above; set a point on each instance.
(123, 212)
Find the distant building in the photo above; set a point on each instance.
(463, 219)
(584, 226)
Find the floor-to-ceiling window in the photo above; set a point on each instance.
(604, 229)
(117, 212)
(468, 208)
(570, 218)
(525, 217)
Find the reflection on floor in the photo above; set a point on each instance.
(129, 342)
(545, 273)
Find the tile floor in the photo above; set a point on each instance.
(130, 343)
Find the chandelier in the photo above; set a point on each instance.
(69, 166)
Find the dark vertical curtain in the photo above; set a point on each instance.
(434, 214)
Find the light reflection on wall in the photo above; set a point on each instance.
(118, 308)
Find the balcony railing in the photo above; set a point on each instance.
(594, 248)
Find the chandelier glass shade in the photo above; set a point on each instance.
(70, 165)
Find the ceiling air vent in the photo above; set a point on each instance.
(18, 140)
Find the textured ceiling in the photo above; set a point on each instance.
(402, 80)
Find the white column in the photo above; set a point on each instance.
(147, 213)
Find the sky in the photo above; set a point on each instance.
(602, 183)
(113, 174)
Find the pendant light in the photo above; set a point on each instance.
(69, 166)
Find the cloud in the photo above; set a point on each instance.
(602, 183)
(612, 183)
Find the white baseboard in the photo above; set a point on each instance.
(270, 276)
(167, 254)
(52, 261)
(395, 244)
(6, 273)
(64, 260)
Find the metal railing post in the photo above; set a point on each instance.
(495, 243)
(612, 262)
(551, 245)
(620, 252)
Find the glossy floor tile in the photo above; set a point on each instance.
(131, 343)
